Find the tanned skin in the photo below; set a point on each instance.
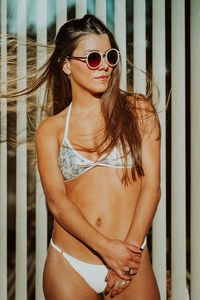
(96, 218)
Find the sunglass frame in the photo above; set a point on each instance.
(86, 58)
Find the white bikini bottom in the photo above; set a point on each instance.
(94, 275)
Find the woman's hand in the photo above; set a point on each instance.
(122, 257)
(115, 284)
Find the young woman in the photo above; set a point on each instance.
(99, 162)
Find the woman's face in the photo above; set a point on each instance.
(81, 76)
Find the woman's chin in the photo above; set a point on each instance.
(99, 90)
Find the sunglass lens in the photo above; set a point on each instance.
(112, 57)
(94, 59)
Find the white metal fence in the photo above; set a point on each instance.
(176, 258)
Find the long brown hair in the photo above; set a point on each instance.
(118, 107)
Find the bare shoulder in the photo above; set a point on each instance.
(51, 127)
(146, 115)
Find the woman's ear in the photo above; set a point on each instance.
(66, 67)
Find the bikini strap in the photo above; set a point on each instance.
(56, 247)
(67, 121)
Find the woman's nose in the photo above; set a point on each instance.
(103, 64)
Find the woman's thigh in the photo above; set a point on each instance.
(62, 282)
(143, 286)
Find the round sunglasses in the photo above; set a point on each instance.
(94, 58)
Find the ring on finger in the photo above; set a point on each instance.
(117, 284)
(128, 272)
(123, 282)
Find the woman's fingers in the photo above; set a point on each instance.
(136, 257)
(116, 289)
(106, 278)
(115, 285)
(120, 254)
(131, 268)
(130, 272)
(119, 286)
(110, 278)
(132, 265)
(133, 248)
(123, 275)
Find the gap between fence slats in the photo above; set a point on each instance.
(21, 160)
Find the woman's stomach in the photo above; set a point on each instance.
(107, 205)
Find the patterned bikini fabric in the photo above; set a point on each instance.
(73, 164)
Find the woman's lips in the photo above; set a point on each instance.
(102, 78)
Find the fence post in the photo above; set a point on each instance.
(178, 167)
(61, 13)
(81, 8)
(101, 10)
(139, 42)
(195, 146)
(120, 35)
(3, 158)
(159, 72)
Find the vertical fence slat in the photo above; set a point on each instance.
(3, 159)
(61, 13)
(159, 223)
(101, 10)
(195, 146)
(41, 213)
(178, 175)
(21, 161)
(81, 8)
(120, 35)
(139, 42)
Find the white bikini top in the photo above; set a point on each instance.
(73, 164)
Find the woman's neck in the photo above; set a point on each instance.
(86, 101)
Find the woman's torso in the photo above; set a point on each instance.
(107, 204)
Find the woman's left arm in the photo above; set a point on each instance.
(150, 190)
(149, 195)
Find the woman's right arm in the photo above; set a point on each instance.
(117, 254)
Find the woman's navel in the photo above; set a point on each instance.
(98, 222)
